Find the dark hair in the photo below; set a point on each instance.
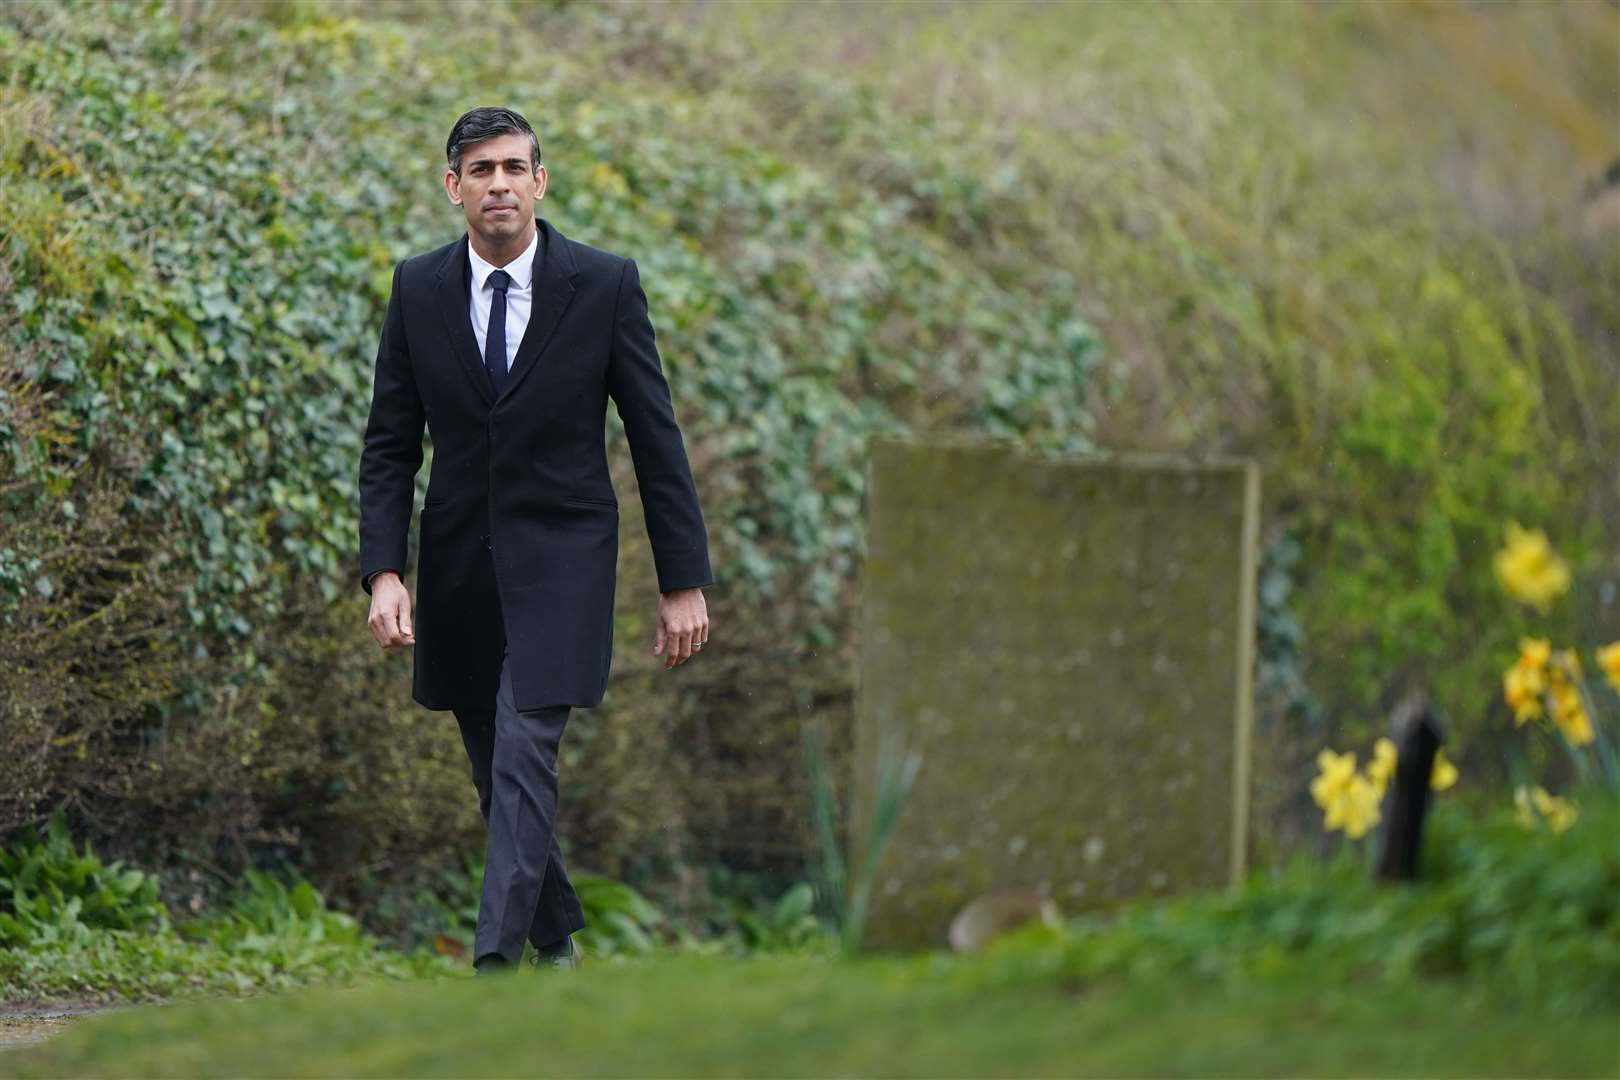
(486, 122)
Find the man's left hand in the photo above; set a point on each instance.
(682, 625)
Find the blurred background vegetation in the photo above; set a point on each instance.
(1372, 246)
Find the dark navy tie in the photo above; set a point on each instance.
(495, 336)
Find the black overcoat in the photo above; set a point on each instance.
(518, 540)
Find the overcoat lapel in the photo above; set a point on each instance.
(450, 290)
(554, 275)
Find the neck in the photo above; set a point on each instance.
(501, 254)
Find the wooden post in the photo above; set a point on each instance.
(1417, 738)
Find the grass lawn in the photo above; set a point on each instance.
(881, 1016)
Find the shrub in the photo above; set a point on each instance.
(49, 892)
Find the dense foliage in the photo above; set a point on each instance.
(74, 926)
(1532, 914)
(49, 892)
(221, 336)
(201, 218)
(1297, 243)
(1371, 246)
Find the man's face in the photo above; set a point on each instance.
(496, 189)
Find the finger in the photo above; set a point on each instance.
(405, 618)
(684, 642)
(658, 637)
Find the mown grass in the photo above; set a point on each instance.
(1503, 960)
(888, 1016)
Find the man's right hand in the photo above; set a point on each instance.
(390, 619)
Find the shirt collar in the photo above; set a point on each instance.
(521, 268)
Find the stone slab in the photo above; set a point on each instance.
(1069, 647)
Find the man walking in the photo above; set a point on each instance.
(506, 344)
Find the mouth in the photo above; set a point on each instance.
(500, 211)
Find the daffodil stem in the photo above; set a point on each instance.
(1600, 742)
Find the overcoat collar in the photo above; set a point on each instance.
(554, 274)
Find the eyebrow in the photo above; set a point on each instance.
(521, 163)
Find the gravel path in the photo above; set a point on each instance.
(25, 1025)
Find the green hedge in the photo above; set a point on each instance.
(201, 215)
(223, 330)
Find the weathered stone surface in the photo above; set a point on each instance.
(1069, 646)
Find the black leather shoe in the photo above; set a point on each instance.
(493, 964)
(564, 955)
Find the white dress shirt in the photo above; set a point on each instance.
(519, 296)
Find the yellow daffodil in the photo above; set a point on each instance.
(1342, 792)
(1521, 807)
(1569, 713)
(1565, 663)
(1522, 686)
(1382, 766)
(1561, 816)
(1559, 812)
(1576, 725)
(1337, 772)
(1528, 568)
(1351, 799)
(1524, 682)
(1608, 659)
(1444, 773)
(1535, 652)
(1356, 808)
(1568, 706)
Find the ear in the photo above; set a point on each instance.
(540, 178)
(452, 186)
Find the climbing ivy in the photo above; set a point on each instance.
(202, 222)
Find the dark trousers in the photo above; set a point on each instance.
(526, 891)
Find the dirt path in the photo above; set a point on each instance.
(25, 1025)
